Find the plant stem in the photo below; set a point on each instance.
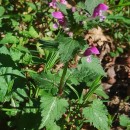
(63, 78)
(37, 92)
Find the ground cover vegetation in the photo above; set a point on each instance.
(64, 65)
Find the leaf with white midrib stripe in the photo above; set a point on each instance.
(52, 109)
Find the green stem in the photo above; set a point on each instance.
(37, 92)
(63, 79)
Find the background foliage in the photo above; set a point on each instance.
(35, 95)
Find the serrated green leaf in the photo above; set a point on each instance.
(3, 88)
(62, 8)
(81, 5)
(52, 108)
(66, 47)
(124, 120)
(91, 4)
(14, 23)
(78, 17)
(33, 32)
(88, 71)
(10, 71)
(100, 92)
(4, 50)
(15, 54)
(27, 59)
(52, 126)
(46, 81)
(6, 81)
(32, 5)
(96, 114)
(9, 38)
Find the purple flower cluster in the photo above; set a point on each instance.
(98, 12)
(58, 14)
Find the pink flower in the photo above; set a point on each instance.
(89, 51)
(55, 25)
(73, 9)
(53, 3)
(63, 2)
(60, 17)
(98, 11)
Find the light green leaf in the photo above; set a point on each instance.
(88, 71)
(124, 120)
(9, 38)
(62, 8)
(78, 17)
(27, 18)
(66, 47)
(2, 10)
(52, 126)
(100, 92)
(33, 32)
(96, 114)
(81, 5)
(10, 71)
(15, 54)
(46, 81)
(120, 49)
(32, 5)
(4, 50)
(52, 108)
